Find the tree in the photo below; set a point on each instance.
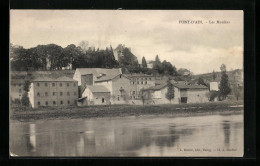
(144, 64)
(214, 75)
(236, 91)
(224, 86)
(84, 46)
(25, 100)
(170, 91)
(157, 65)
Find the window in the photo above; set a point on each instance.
(14, 84)
(133, 92)
(134, 97)
(46, 84)
(53, 93)
(150, 78)
(46, 93)
(120, 76)
(68, 84)
(118, 98)
(145, 82)
(46, 103)
(74, 84)
(61, 93)
(54, 102)
(20, 90)
(133, 82)
(75, 93)
(68, 93)
(38, 94)
(60, 84)
(145, 78)
(38, 84)
(68, 102)
(61, 102)
(103, 100)
(39, 103)
(142, 82)
(53, 84)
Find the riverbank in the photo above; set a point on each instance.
(125, 110)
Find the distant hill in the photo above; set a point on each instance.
(235, 76)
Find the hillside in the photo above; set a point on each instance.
(235, 76)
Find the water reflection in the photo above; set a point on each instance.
(128, 136)
(226, 129)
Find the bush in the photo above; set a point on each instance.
(213, 95)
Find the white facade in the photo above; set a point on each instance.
(213, 86)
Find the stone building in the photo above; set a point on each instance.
(184, 93)
(139, 82)
(96, 95)
(88, 76)
(16, 89)
(45, 91)
(119, 87)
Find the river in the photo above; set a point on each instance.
(208, 135)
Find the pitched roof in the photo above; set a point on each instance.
(109, 77)
(97, 71)
(44, 79)
(64, 78)
(98, 89)
(48, 79)
(178, 85)
(138, 75)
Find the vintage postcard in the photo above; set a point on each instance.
(126, 83)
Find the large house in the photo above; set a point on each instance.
(139, 82)
(88, 76)
(183, 93)
(46, 91)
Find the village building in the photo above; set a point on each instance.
(213, 86)
(16, 89)
(119, 87)
(150, 64)
(139, 82)
(183, 93)
(88, 76)
(45, 91)
(96, 95)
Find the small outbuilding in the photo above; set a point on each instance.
(96, 95)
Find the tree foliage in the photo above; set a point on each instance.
(25, 100)
(165, 68)
(144, 64)
(224, 86)
(170, 91)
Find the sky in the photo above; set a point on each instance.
(200, 48)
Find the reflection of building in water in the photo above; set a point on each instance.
(80, 145)
(226, 129)
(32, 138)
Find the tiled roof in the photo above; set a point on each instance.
(44, 79)
(138, 75)
(65, 79)
(109, 77)
(48, 79)
(98, 89)
(178, 85)
(102, 74)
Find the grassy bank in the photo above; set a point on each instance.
(29, 114)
